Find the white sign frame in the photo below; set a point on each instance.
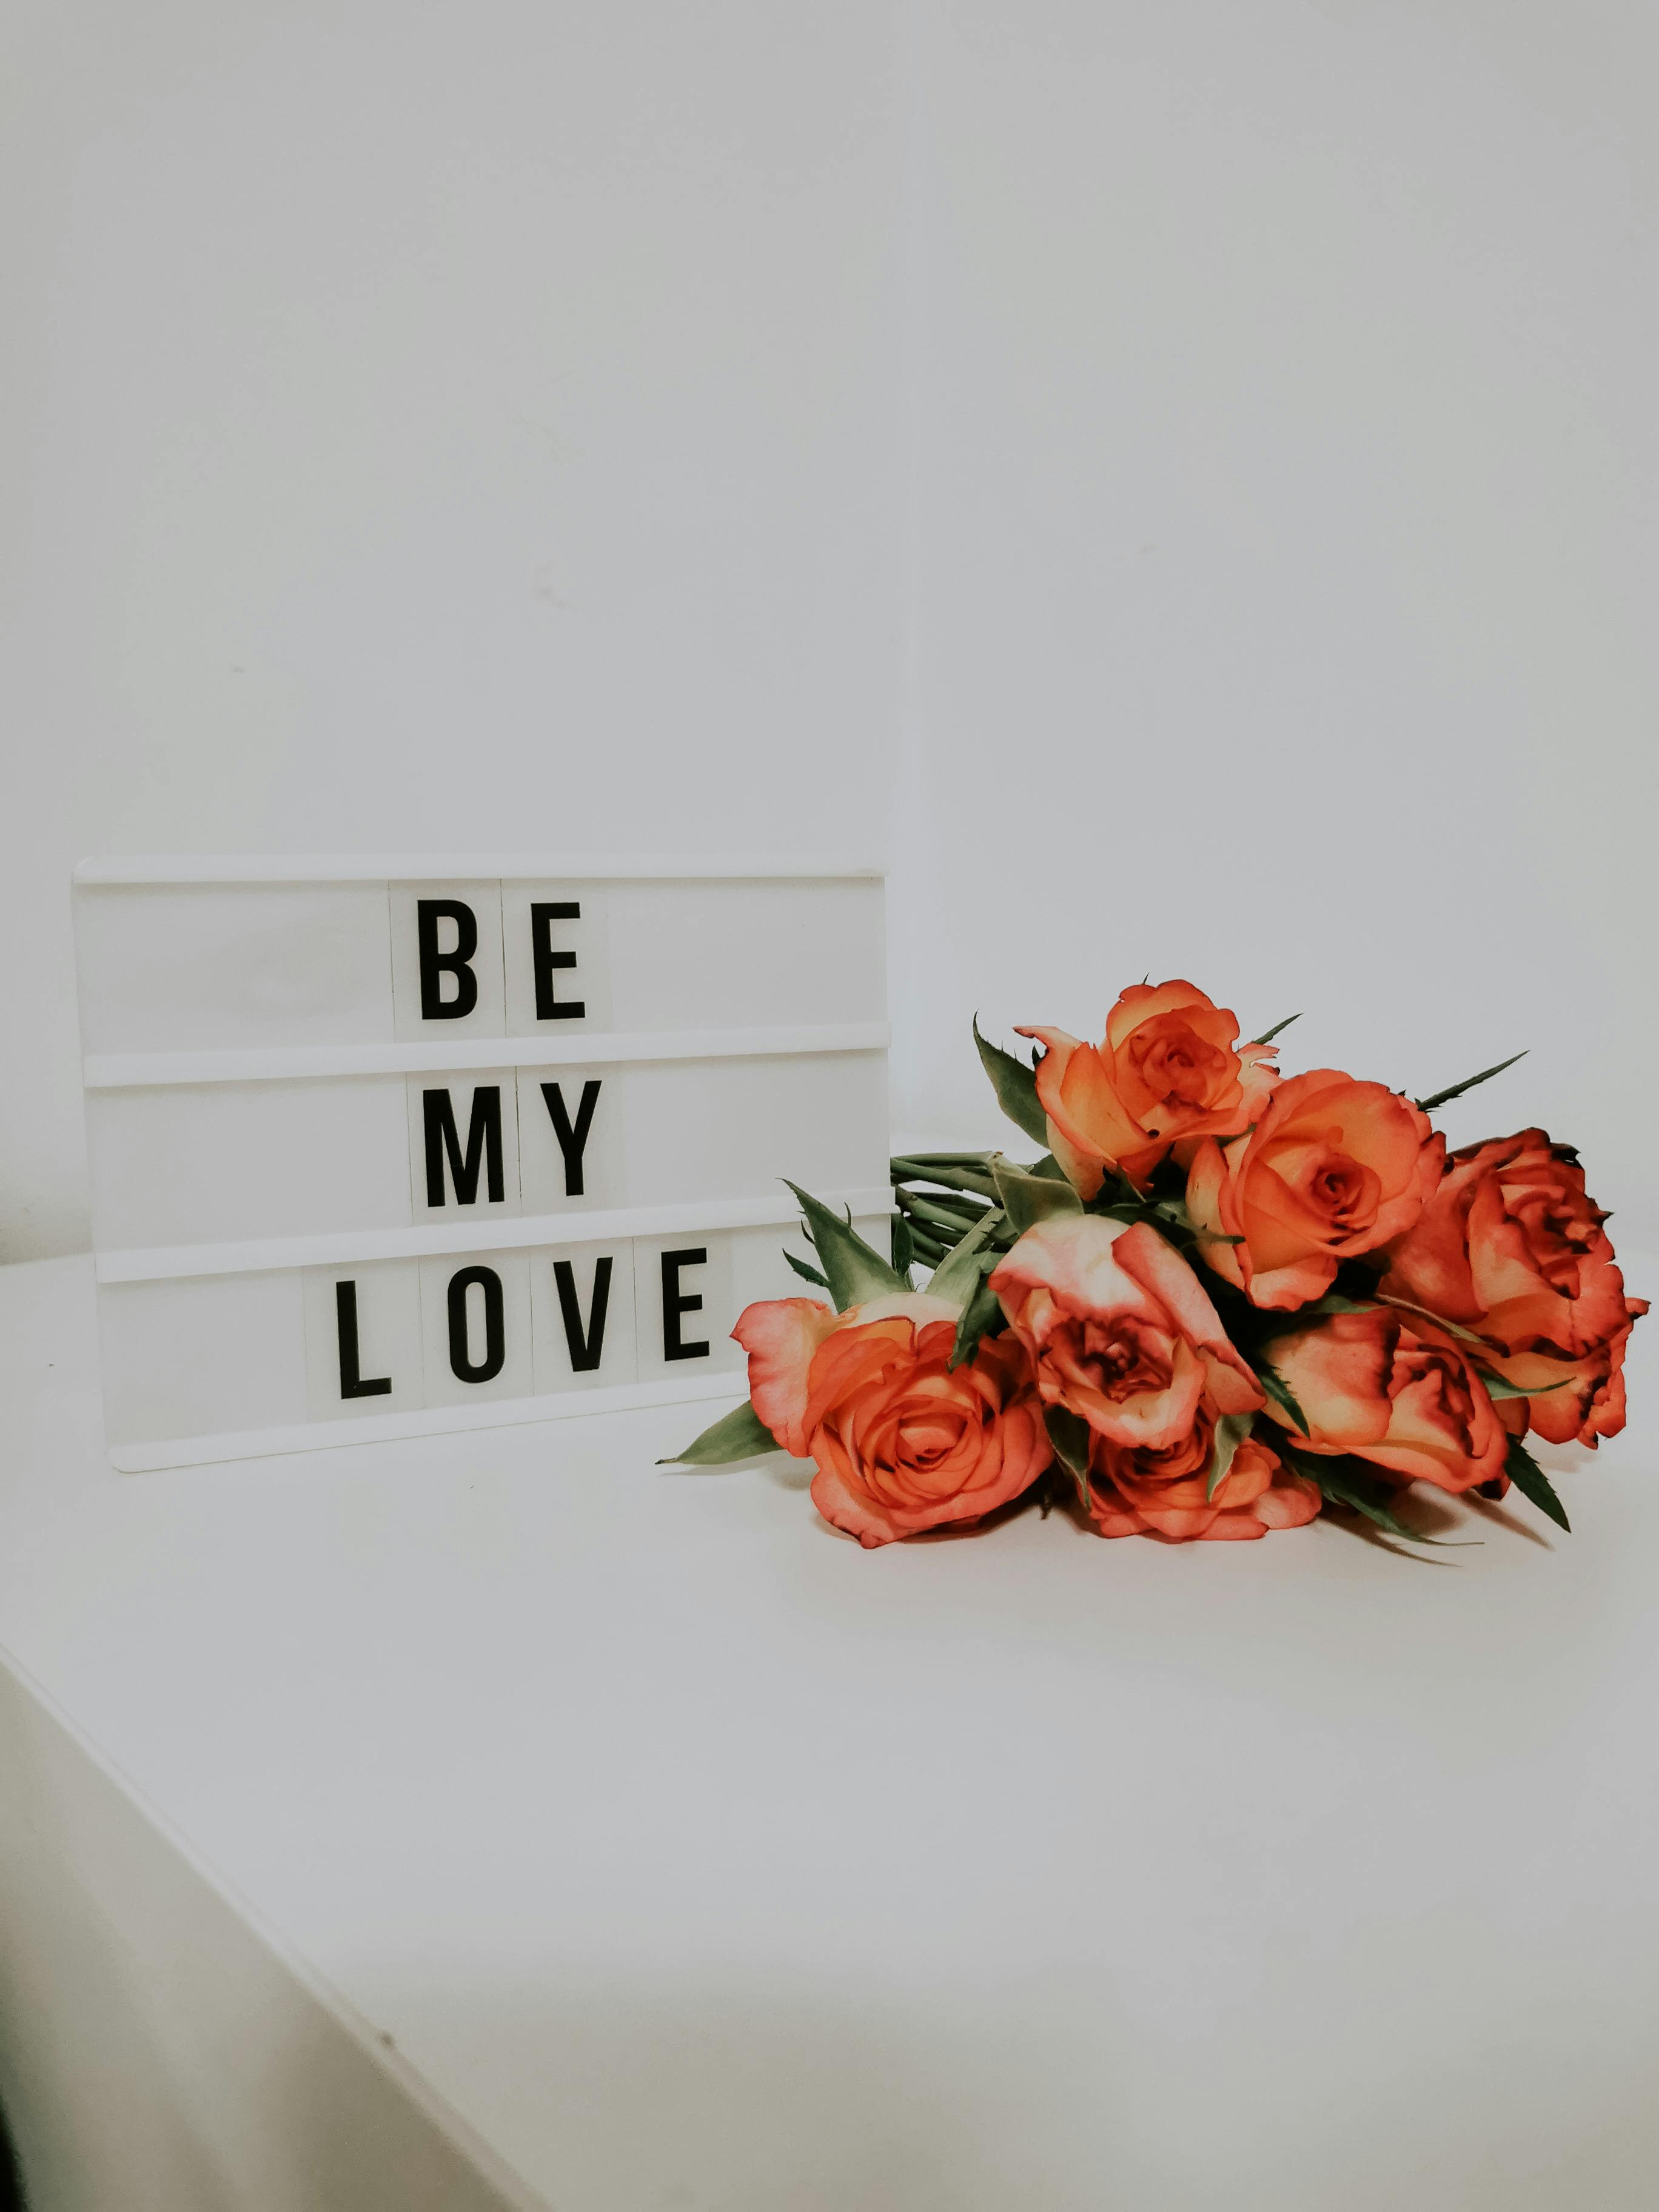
(175, 1269)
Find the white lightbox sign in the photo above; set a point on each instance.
(383, 1147)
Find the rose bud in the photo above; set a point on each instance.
(901, 1443)
(1170, 1069)
(1333, 1168)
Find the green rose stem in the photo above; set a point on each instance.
(940, 1215)
(959, 1170)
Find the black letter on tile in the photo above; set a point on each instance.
(545, 960)
(573, 1140)
(675, 1302)
(435, 965)
(586, 1345)
(461, 1364)
(484, 1143)
(352, 1382)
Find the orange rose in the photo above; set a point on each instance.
(1172, 1069)
(1120, 1330)
(1510, 1246)
(901, 1443)
(1372, 1385)
(1334, 1168)
(1150, 1493)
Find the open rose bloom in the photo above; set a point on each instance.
(1169, 1070)
(1222, 1301)
(1333, 1169)
(1120, 1331)
(1168, 1493)
(1510, 1248)
(902, 1444)
(1370, 1385)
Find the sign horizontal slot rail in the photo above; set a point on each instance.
(257, 1256)
(293, 1063)
(446, 868)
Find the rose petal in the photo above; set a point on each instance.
(780, 1336)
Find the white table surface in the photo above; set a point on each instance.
(698, 1859)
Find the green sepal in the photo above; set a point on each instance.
(1530, 1480)
(1268, 1035)
(1344, 1481)
(904, 1246)
(1068, 1432)
(740, 1434)
(958, 1275)
(1499, 1387)
(806, 1274)
(1280, 1392)
(1457, 1090)
(981, 1314)
(1028, 1199)
(1015, 1086)
(853, 1270)
(1453, 1328)
(1333, 1302)
(1230, 1431)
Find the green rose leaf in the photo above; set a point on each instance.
(1345, 1482)
(1281, 1394)
(1453, 1328)
(1015, 1086)
(1028, 1199)
(960, 1276)
(1457, 1090)
(808, 1275)
(853, 1270)
(737, 1435)
(904, 1249)
(981, 1314)
(1530, 1480)
(1498, 1387)
(1068, 1432)
(1230, 1431)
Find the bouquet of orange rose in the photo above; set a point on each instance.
(1221, 1301)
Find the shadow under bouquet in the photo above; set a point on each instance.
(1220, 1302)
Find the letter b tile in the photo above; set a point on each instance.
(447, 979)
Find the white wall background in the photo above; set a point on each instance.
(1285, 562)
(433, 427)
(1218, 436)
